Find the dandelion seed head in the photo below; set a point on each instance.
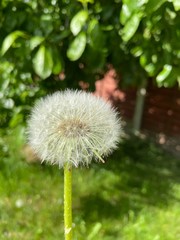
(73, 126)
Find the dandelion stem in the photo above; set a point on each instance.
(68, 201)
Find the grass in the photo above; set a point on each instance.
(135, 195)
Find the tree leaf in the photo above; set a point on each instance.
(124, 14)
(137, 51)
(95, 59)
(86, 1)
(131, 26)
(144, 59)
(96, 36)
(10, 39)
(129, 7)
(78, 21)
(150, 69)
(176, 4)
(43, 62)
(35, 41)
(153, 5)
(77, 47)
(164, 73)
(57, 61)
(171, 79)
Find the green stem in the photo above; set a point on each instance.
(68, 201)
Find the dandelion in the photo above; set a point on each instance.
(71, 128)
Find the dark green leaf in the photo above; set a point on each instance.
(95, 59)
(57, 61)
(96, 36)
(153, 5)
(60, 36)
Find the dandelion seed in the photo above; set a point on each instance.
(73, 126)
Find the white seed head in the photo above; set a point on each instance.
(73, 126)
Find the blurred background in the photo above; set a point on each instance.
(127, 52)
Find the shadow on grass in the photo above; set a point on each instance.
(143, 175)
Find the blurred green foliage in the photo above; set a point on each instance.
(50, 45)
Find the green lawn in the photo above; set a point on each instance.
(134, 196)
